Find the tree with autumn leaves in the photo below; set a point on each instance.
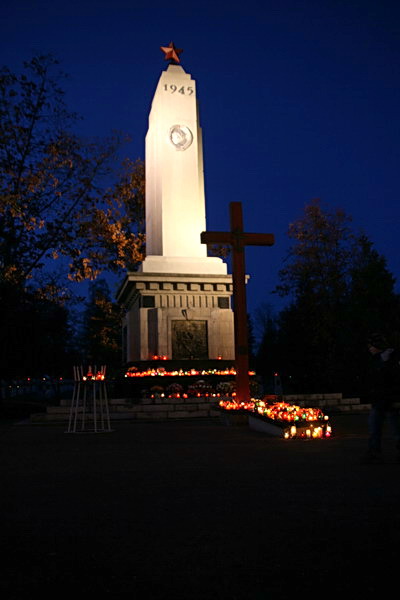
(54, 205)
(52, 202)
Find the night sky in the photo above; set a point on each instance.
(298, 100)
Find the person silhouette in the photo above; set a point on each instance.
(384, 392)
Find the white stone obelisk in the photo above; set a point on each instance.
(175, 202)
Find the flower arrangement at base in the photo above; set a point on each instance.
(226, 388)
(157, 391)
(295, 421)
(200, 388)
(174, 390)
(286, 420)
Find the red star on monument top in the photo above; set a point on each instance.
(171, 52)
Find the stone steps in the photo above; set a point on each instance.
(159, 409)
(150, 409)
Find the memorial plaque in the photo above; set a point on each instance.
(189, 340)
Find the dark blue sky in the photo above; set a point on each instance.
(298, 100)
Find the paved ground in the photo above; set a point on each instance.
(195, 511)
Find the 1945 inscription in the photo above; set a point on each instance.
(185, 90)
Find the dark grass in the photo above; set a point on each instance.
(195, 510)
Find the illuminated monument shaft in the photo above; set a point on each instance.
(174, 169)
(175, 204)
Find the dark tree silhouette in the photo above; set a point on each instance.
(339, 290)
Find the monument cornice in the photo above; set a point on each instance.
(173, 283)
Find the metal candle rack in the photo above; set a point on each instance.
(89, 407)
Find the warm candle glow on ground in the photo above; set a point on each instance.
(296, 422)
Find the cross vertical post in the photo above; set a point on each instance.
(238, 239)
(240, 304)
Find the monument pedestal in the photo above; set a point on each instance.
(177, 316)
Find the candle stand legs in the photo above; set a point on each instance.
(89, 411)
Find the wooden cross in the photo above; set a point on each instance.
(238, 239)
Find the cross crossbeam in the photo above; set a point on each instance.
(238, 240)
